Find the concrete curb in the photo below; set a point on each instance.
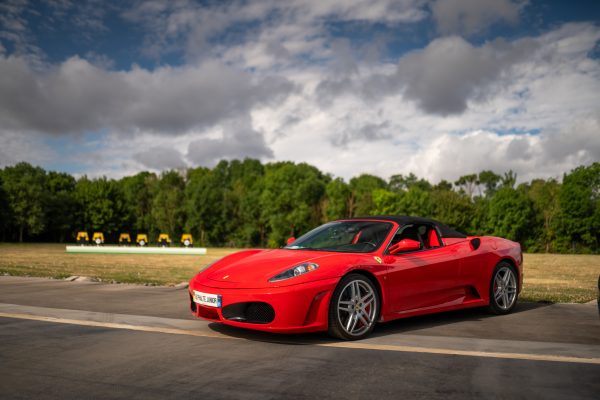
(76, 278)
(182, 285)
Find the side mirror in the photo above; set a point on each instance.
(405, 245)
(291, 240)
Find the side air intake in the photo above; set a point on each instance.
(475, 243)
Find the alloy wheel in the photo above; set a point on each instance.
(357, 307)
(505, 288)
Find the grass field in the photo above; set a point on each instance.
(564, 278)
(50, 260)
(548, 277)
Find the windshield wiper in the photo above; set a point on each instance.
(301, 248)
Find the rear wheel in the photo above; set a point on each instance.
(503, 289)
(354, 308)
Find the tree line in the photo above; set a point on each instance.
(245, 203)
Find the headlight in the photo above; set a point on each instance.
(295, 271)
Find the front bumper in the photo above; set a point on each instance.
(298, 308)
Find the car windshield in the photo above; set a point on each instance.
(344, 236)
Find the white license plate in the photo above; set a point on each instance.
(207, 299)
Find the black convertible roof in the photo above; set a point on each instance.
(444, 230)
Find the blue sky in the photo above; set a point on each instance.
(438, 88)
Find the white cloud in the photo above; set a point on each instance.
(281, 87)
(238, 140)
(290, 28)
(547, 155)
(158, 158)
(449, 72)
(77, 96)
(472, 16)
(544, 84)
(16, 147)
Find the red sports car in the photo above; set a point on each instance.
(346, 275)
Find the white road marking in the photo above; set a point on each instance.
(362, 345)
(468, 353)
(113, 325)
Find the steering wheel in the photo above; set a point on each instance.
(370, 243)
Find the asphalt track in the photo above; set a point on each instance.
(74, 340)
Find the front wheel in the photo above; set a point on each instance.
(503, 289)
(354, 308)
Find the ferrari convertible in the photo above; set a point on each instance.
(345, 276)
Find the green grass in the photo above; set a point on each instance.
(548, 277)
(560, 278)
(51, 260)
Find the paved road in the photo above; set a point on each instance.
(88, 340)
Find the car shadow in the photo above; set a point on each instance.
(400, 326)
(423, 322)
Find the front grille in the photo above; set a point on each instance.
(251, 312)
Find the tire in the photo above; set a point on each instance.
(351, 316)
(504, 289)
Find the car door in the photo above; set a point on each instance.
(425, 278)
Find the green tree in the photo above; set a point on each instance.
(290, 199)
(25, 188)
(452, 208)
(223, 203)
(578, 224)
(509, 179)
(337, 198)
(5, 216)
(443, 185)
(60, 206)
(138, 195)
(467, 184)
(168, 205)
(204, 199)
(509, 214)
(361, 196)
(490, 181)
(400, 182)
(479, 222)
(101, 205)
(416, 202)
(244, 224)
(386, 202)
(544, 196)
(245, 203)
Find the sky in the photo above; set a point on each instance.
(439, 88)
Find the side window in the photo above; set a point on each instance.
(427, 236)
(407, 232)
(430, 236)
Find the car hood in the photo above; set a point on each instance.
(254, 268)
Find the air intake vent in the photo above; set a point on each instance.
(251, 312)
(475, 243)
